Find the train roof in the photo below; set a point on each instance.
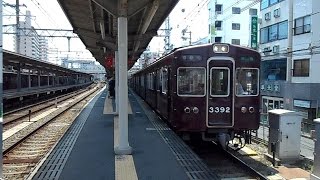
(192, 47)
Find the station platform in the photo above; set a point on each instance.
(86, 151)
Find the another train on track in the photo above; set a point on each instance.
(209, 91)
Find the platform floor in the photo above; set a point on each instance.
(87, 150)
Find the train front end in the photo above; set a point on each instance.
(219, 93)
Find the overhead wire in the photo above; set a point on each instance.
(193, 10)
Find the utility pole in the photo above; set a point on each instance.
(68, 43)
(1, 92)
(168, 45)
(289, 48)
(17, 27)
(184, 31)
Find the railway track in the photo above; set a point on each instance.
(259, 140)
(34, 109)
(26, 148)
(226, 164)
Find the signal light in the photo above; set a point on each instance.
(109, 61)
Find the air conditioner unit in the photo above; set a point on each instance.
(266, 51)
(276, 13)
(267, 16)
(275, 49)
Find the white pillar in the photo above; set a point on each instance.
(117, 80)
(1, 91)
(123, 147)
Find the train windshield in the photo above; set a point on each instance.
(247, 82)
(220, 81)
(191, 81)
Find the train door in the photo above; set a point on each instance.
(220, 98)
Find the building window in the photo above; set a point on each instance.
(235, 26)
(273, 2)
(218, 8)
(236, 10)
(264, 4)
(274, 32)
(218, 39)
(302, 25)
(218, 25)
(264, 35)
(235, 41)
(253, 11)
(301, 68)
(274, 70)
(283, 30)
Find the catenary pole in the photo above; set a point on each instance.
(1, 92)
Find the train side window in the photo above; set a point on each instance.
(159, 80)
(191, 81)
(142, 80)
(247, 82)
(164, 80)
(220, 82)
(148, 80)
(153, 77)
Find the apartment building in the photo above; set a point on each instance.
(230, 21)
(30, 43)
(290, 57)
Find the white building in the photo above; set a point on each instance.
(44, 49)
(31, 44)
(291, 84)
(229, 21)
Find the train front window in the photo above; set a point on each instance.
(220, 80)
(247, 82)
(191, 81)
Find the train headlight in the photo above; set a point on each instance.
(195, 110)
(220, 48)
(251, 109)
(187, 110)
(243, 109)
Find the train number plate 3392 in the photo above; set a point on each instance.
(218, 109)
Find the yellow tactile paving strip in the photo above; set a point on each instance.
(245, 151)
(124, 164)
(125, 169)
(129, 108)
(108, 109)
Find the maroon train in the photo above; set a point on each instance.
(210, 91)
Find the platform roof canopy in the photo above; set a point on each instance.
(95, 22)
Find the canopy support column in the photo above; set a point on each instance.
(123, 148)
